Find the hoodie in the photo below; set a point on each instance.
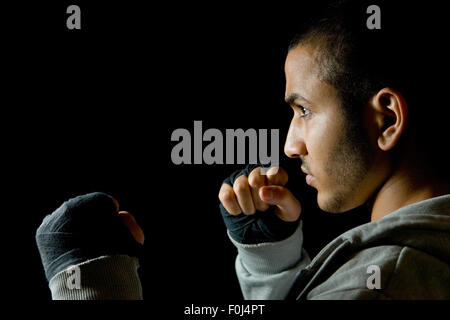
(404, 255)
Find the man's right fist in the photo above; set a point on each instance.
(257, 207)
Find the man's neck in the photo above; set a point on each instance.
(404, 187)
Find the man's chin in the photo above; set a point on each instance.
(332, 203)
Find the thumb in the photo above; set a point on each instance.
(288, 207)
(130, 222)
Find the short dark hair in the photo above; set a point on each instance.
(405, 54)
(350, 55)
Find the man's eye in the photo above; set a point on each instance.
(305, 112)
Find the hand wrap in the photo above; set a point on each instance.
(83, 228)
(259, 227)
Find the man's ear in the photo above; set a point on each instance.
(390, 112)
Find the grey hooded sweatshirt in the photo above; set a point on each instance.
(404, 255)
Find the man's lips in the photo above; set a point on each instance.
(309, 176)
(305, 170)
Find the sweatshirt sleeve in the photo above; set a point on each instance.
(103, 278)
(266, 271)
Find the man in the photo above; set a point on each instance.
(356, 128)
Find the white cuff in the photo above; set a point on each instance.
(271, 257)
(102, 278)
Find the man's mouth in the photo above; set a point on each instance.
(309, 176)
(305, 170)
(309, 179)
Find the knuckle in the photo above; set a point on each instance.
(240, 185)
(255, 179)
(284, 176)
(226, 194)
(277, 176)
(256, 171)
(273, 171)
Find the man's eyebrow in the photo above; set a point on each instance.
(295, 96)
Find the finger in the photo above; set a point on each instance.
(130, 222)
(228, 199)
(277, 176)
(244, 195)
(288, 207)
(256, 180)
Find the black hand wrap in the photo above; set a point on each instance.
(83, 228)
(259, 227)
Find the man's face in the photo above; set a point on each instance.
(337, 159)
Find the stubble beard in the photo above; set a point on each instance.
(346, 167)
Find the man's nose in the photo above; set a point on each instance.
(295, 144)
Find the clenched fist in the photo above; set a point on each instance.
(258, 207)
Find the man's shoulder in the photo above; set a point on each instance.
(387, 272)
(352, 276)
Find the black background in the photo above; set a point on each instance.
(94, 109)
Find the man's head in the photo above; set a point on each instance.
(348, 87)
